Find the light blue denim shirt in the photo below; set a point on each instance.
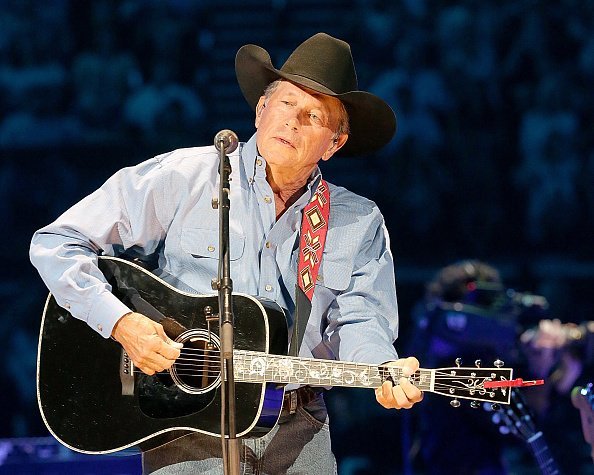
(163, 206)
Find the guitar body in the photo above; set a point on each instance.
(92, 402)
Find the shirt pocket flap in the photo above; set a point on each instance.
(334, 276)
(205, 243)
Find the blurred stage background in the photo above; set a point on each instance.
(493, 159)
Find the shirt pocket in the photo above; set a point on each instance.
(201, 242)
(334, 276)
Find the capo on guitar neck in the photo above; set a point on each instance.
(518, 382)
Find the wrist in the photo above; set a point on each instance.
(116, 326)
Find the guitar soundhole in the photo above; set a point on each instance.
(198, 368)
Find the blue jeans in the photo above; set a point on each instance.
(299, 444)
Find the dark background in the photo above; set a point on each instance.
(493, 159)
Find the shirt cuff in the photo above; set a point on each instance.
(105, 313)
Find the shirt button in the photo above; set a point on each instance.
(268, 288)
(259, 162)
(268, 244)
(100, 327)
(268, 199)
(211, 248)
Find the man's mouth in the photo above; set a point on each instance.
(285, 142)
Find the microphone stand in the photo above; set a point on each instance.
(226, 142)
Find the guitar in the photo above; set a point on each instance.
(517, 419)
(93, 400)
(583, 399)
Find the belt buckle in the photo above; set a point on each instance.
(292, 401)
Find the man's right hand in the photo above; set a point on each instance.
(146, 343)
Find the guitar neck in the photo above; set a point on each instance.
(256, 367)
(542, 454)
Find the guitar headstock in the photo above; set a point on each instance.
(469, 383)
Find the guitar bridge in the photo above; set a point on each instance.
(126, 374)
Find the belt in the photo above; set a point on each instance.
(299, 397)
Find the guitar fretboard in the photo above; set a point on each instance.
(256, 367)
(542, 454)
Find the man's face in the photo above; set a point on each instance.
(296, 128)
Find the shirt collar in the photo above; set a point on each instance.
(249, 154)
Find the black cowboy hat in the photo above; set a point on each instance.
(324, 64)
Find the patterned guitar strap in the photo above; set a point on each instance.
(314, 227)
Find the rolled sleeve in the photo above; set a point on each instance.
(367, 316)
(120, 215)
(362, 319)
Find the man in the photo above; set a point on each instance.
(307, 111)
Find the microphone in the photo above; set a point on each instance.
(227, 139)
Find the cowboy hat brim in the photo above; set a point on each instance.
(372, 121)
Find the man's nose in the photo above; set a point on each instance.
(296, 118)
(293, 121)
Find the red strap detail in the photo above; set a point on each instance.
(314, 227)
(514, 382)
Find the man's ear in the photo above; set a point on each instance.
(337, 144)
(259, 108)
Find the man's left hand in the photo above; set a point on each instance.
(403, 395)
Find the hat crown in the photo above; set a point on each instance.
(323, 64)
(325, 60)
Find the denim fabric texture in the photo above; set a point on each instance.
(299, 444)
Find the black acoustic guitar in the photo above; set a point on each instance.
(94, 400)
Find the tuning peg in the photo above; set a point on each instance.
(458, 362)
(455, 403)
(495, 406)
(498, 363)
(475, 404)
(477, 363)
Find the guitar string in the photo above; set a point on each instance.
(250, 356)
(260, 378)
(279, 377)
(199, 363)
(255, 354)
(208, 356)
(458, 391)
(246, 356)
(214, 365)
(352, 366)
(274, 375)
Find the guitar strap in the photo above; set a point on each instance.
(314, 227)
